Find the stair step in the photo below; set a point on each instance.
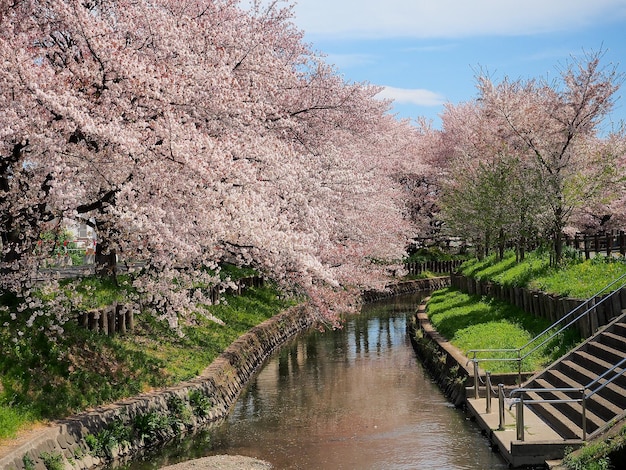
(603, 408)
(604, 352)
(610, 393)
(554, 418)
(574, 410)
(614, 340)
(597, 365)
(576, 376)
(619, 329)
(593, 363)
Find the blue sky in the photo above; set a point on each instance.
(427, 52)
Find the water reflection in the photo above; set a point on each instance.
(356, 398)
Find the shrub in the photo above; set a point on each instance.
(53, 461)
(200, 403)
(151, 426)
(106, 441)
(179, 411)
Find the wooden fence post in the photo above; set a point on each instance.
(120, 319)
(111, 317)
(130, 320)
(103, 321)
(83, 320)
(92, 323)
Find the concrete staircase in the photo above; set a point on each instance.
(587, 368)
(552, 419)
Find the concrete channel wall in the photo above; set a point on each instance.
(407, 287)
(191, 405)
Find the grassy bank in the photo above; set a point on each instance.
(471, 322)
(474, 322)
(594, 456)
(576, 277)
(44, 380)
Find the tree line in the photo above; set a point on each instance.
(191, 134)
(529, 161)
(195, 133)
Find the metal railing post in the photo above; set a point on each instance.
(519, 418)
(519, 368)
(476, 378)
(488, 391)
(584, 415)
(501, 407)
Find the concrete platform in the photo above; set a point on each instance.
(541, 443)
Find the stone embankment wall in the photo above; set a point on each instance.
(148, 419)
(549, 306)
(93, 438)
(407, 287)
(445, 363)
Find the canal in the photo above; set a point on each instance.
(355, 398)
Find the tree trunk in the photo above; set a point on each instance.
(501, 244)
(558, 246)
(106, 261)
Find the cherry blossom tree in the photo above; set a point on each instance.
(526, 158)
(556, 125)
(490, 195)
(190, 133)
(422, 182)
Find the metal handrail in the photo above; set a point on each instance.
(520, 358)
(582, 390)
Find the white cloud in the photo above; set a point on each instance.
(416, 96)
(450, 18)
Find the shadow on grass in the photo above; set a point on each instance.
(472, 322)
(488, 267)
(53, 379)
(450, 324)
(448, 298)
(508, 271)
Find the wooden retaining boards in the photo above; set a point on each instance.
(545, 305)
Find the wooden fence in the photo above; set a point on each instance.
(119, 319)
(548, 306)
(442, 267)
(609, 243)
(110, 320)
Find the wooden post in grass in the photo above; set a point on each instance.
(103, 321)
(120, 320)
(111, 317)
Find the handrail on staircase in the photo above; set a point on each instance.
(518, 351)
(519, 402)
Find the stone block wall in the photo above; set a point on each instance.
(407, 287)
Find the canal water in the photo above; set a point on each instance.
(355, 398)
